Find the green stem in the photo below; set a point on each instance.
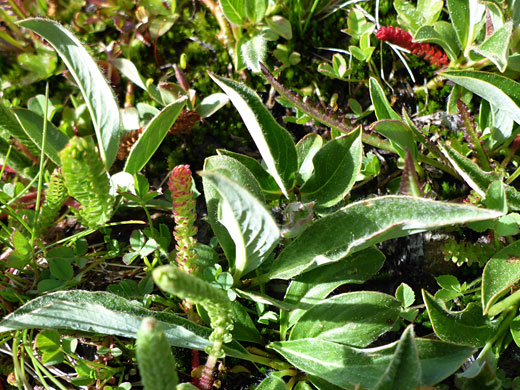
(504, 304)
(39, 368)
(42, 167)
(19, 374)
(514, 176)
(508, 317)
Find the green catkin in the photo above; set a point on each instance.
(154, 357)
(214, 300)
(87, 181)
(55, 196)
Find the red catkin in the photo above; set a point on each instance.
(402, 38)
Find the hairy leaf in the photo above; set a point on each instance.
(365, 223)
(98, 95)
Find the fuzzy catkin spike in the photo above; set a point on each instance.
(433, 54)
(87, 181)
(55, 196)
(174, 281)
(180, 184)
(154, 357)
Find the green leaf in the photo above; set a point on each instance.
(280, 26)
(496, 47)
(32, 123)
(498, 90)
(347, 367)
(515, 330)
(306, 149)
(253, 52)
(128, 69)
(459, 16)
(240, 174)
(425, 13)
(356, 318)
(49, 345)
(255, 10)
(211, 104)
(272, 140)
(234, 11)
(405, 295)
(336, 167)
(316, 284)
(404, 370)
(105, 313)
(443, 34)
(469, 326)
(265, 180)
(18, 161)
(251, 226)
(20, 243)
(472, 174)
(478, 179)
(496, 197)
(243, 327)
(365, 223)
(37, 103)
(61, 268)
(152, 136)
(500, 273)
(399, 134)
(380, 102)
(272, 382)
(97, 93)
(11, 127)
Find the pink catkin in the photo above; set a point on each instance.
(404, 39)
(184, 213)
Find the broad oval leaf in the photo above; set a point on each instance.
(496, 47)
(234, 10)
(32, 123)
(500, 273)
(365, 223)
(253, 52)
(500, 91)
(347, 366)
(404, 370)
(443, 34)
(252, 228)
(106, 313)
(399, 134)
(356, 318)
(266, 181)
(310, 287)
(272, 140)
(469, 326)
(336, 167)
(98, 95)
(272, 382)
(211, 104)
(240, 174)
(152, 136)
